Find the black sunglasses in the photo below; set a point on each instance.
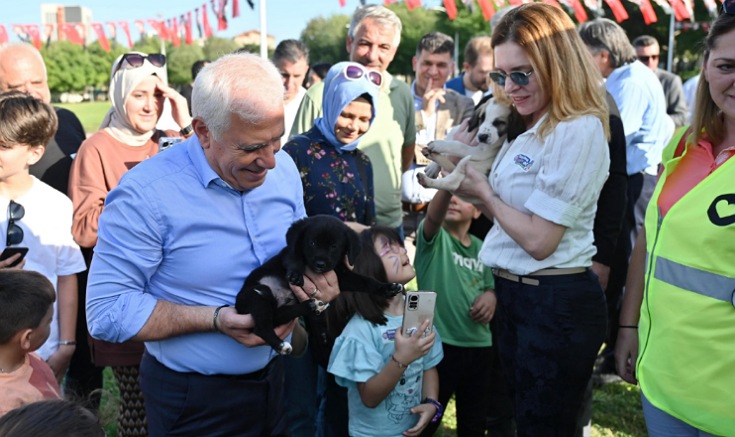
(728, 7)
(518, 77)
(15, 232)
(645, 59)
(136, 60)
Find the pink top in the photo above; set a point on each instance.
(33, 381)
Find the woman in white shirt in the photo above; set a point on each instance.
(542, 195)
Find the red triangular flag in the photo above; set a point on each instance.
(618, 10)
(343, 3)
(71, 34)
(176, 41)
(141, 26)
(235, 8)
(487, 9)
(188, 39)
(680, 10)
(112, 30)
(649, 15)
(553, 3)
(451, 9)
(3, 35)
(124, 26)
(101, 37)
(579, 12)
(205, 20)
(35, 33)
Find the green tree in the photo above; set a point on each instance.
(102, 63)
(325, 38)
(179, 63)
(69, 67)
(215, 47)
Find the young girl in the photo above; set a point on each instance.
(390, 377)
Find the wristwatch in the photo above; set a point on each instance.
(186, 131)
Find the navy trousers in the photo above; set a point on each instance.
(191, 404)
(549, 337)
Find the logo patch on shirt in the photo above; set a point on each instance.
(389, 334)
(523, 161)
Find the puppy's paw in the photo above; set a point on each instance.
(295, 277)
(393, 289)
(432, 170)
(317, 306)
(422, 179)
(285, 348)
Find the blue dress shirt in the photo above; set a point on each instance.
(174, 230)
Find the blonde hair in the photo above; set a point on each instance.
(561, 62)
(707, 117)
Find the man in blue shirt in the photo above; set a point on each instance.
(178, 237)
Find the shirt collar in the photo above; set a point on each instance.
(201, 166)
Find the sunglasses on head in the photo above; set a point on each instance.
(15, 232)
(353, 72)
(728, 7)
(645, 59)
(518, 77)
(136, 60)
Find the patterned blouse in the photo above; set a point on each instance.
(340, 185)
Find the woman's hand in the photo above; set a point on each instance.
(179, 107)
(5, 264)
(59, 361)
(320, 286)
(464, 135)
(409, 348)
(626, 354)
(474, 185)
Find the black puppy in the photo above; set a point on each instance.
(320, 242)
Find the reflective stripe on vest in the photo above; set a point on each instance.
(698, 281)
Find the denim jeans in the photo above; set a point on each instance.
(663, 424)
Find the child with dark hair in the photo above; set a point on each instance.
(391, 378)
(26, 307)
(51, 418)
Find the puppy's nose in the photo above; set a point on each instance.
(482, 138)
(320, 265)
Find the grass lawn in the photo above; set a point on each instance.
(89, 113)
(616, 411)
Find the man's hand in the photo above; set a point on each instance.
(603, 273)
(430, 98)
(5, 264)
(483, 308)
(240, 327)
(59, 361)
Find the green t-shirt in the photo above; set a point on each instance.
(457, 275)
(393, 129)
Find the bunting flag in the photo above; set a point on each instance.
(219, 11)
(159, 27)
(20, 31)
(552, 3)
(34, 33)
(618, 10)
(711, 6)
(175, 40)
(71, 34)
(82, 31)
(680, 10)
(126, 29)
(499, 4)
(343, 3)
(236, 8)
(515, 2)
(111, 30)
(101, 37)
(3, 35)
(252, 5)
(579, 12)
(690, 8)
(188, 39)
(413, 4)
(389, 2)
(140, 24)
(487, 9)
(649, 15)
(205, 22)
(199, 22)
(48, 30)
(593, 6)
(451, 9)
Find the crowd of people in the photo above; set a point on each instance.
(606, 219)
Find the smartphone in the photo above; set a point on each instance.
(10, 251)
(418, 307)
(166, 142)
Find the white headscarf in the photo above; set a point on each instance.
(122, 83)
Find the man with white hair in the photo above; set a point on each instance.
(177, 239)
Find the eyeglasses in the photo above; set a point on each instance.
(518, 77)
(354, 72)
(15, 232)
(136, 60)
(645, 59)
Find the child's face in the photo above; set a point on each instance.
(15, 159)
(460, 211)
(354, 121)
(41, 333)
(395, 260)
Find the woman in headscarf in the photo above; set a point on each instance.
(338, 178)
(338, 181)
(127, 136)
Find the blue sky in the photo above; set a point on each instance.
(284, 18)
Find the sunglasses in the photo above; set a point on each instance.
(15, 232)
(645, 59)
(353, 72)
(728, 7)
(518, 77)
(136, 60)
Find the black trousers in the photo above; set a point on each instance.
(550, 335)
(191, 404)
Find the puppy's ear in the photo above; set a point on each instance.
(294, 237)
(353, 244)
(478, 114)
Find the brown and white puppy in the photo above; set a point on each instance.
(493, 118)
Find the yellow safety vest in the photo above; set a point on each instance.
(686, 361)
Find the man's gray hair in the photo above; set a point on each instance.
(645, 41)
(291, 50)
(243, 84)
(435, 43)
(381, 15)
(605, 34)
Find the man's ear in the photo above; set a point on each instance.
(465, 66)
(413, 63)
(348, 45)
(201, 130)
(36, 154)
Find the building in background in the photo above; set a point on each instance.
(54, 17)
